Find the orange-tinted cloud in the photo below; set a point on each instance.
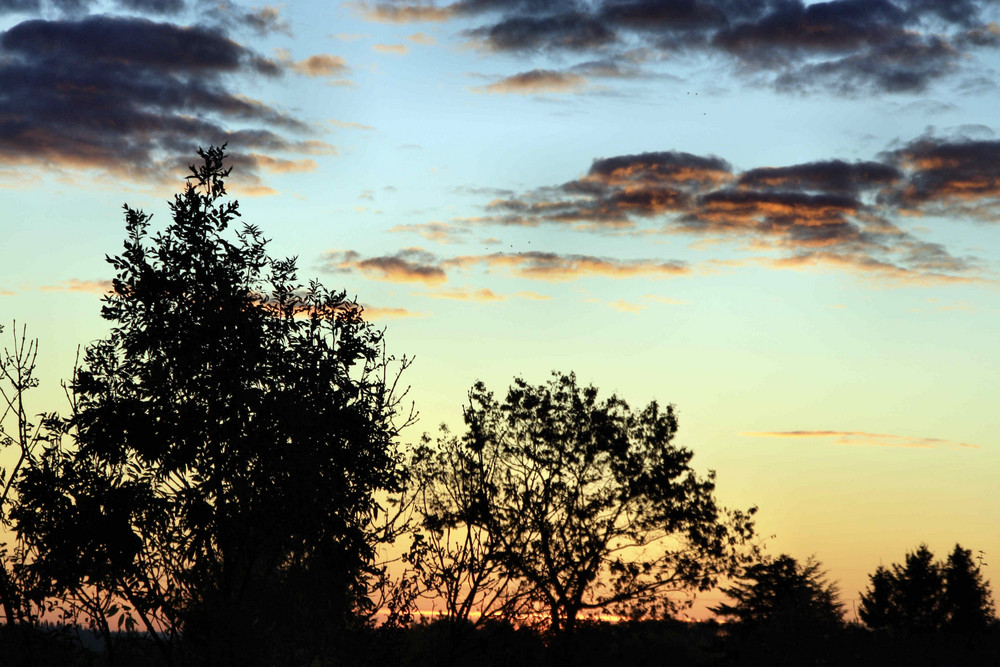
(625, 307)
(384, 12)
(75, 285)
(349, 125)
(827, 213)
(555, 267)
(949, 177)
(282, 166)
(664, 299)
(377, 313)
(422, 39)
(395, 49)
(321, 65)
(406, 266)
(440, 232)
(536, 82)
(867, 439)
(482, 295)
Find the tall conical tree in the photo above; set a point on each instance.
(967, 598)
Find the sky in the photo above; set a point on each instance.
(780, 216)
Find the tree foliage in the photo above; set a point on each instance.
(218, 472)
(582, 504)
(784, 593)
(924, 596)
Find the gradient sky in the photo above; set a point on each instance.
(779, 216)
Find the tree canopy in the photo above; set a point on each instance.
(218, 472)
(923, 595)
(784, 593)
(584, 504)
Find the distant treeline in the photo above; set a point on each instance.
(228, 487)
(667, 643)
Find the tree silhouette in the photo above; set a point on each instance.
(924, 596)
(967, 599)
(19, 435)
(787, 613)
(589, 505)
(217, 474)
(784, 593)
(454, 557)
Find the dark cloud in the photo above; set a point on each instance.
(135, 42)
(134, 98)
(406, 266)
(555, 267)
(850, 45)
(949, 176)
(77, 7)
(829, 176)
(829, 213)
(571, 31)
(153, 6)
(417, 265)
(10, 6)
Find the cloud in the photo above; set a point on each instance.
(416, 265)
(439, 232)
(824, 176)
(866, 439)
(554, 267)
(133, 98)
(884, 46)
(348, 125)
(376, 313)
(385, 12)
(281, 166)
(820, 214)
(76, 285)
(625, 307)
(536, 82)
(554, 31)
(422, 39)
(948, 177)
(395, 49)
(406, 266)
(321, 65)
(482, 295)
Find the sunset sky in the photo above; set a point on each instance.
(779, 216)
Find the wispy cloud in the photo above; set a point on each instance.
(626, 307)
(439, 232)
(419, 265)
(536, 82)
(555, 267)
(76, 285)
(482, 295)
(394, 49)
(864, 438)
(377, 313)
